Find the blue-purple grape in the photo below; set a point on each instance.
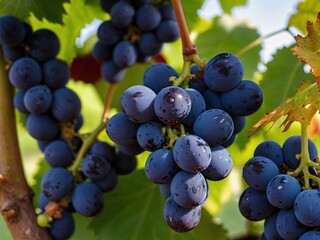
(18, 101)
(149, 45)
(109, 34)
(271, 150)
(42, 127)
(12, 31)
(124, 54)
(198, 106)
(270, 227)
(147, 18)
(122, 14)
(56, 73)
(150, 136)
(95, 167)
(37, 99)
(310, 235)
(109, 182)
(168, 31)
(111, 72)
(58, 153)
(125, 164)
(104, 150)
(62, 228)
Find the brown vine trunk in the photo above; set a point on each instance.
(15, 194)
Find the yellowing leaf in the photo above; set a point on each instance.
(309, 46)
(300, 108)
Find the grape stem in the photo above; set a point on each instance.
(107, 107)
(305, 161)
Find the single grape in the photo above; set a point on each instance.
(220, 164)
(122, 14)
(102, 52)
(56, 73)
(87, 199)
(18, 101)
(124, 54)
(223, 72)
(156, 77)
(168, 31)
(165, 189)
(58, 153)
(212, 99)
(167, 12)
(172, 104)
(254, 205)
(270, 228)
(121, 129)
(150, 136)
(306, 207)
(64, 227)
(181, 219)
(239, 123)
(198, 106)
(258, 171)
(12, 31)
(109, 182)
(42, 127)
(111, 72)
(57, 183)
(285, 221)
(13, 53)
(215, 126)
(189, 189)
(310, 235)
(192, 153)
(147, 18)
(124, 164)
(242, 100)
(44, 45)
(66, 104)
(137, 103)
(95, 167)
(292, 146)
(131, 149)
(149, 45)
(160, 166)
(271, 150)
(37, 99)
(282, 190)
(25, 73)
(104, 150)
(109, 34)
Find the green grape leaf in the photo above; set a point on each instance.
(228, 34)
(227, 6)
(299, 108)
(306, 10)
(190, 9)
(51, 10)
(308, 48)
(134, 210)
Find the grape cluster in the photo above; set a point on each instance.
(289, 211)
(185, 130)
(135, 32)
(53, 118)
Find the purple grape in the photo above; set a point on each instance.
(122, 14)
(62, 228)
(109, 182)
(42, 127)
(37, 99)
(56, 73)
(58, 153)
(198, 106)
(147, 18)
(109, 34)
(95, 167)
(12, 31)
(150, 136)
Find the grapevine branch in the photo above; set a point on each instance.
(15, 194)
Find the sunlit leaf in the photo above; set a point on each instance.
(308, 48)
(228, 5)
(306, 10)
(52, 10)
(190, 9)
(299, 108)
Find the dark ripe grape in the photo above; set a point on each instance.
(242, 100)
(124, 54)
(181, 219)
(292, 146)
(189, 189)
(104, 150)
(230, 141)
(223, 72)
(87, 199)
(167, 11)
(124, 164)
(137, 103)
(270, 228)
(149, 45)
(62, 228)
(220, 164)
(130, 150)
(111, 72)
(57, 183)
(198, 106)
(285, 221)
(109, 182)
(44, 45)
(147, 18)
(18, 102)
(149, 136)
(310, 235)
(122, 14)
(12, 31)
(157, 76)
(172, 104)
(95, 167)
(239, 123)
(168, 31)
(215, 126)
(165, 189)
(121, 129)
(109, 34)
(254, 205)
(58, 153)
(192, 153)
(282, 190)
(271, 150)
(160, 166)
(306, 207)
(66, 104)
(102, 52)
(25, 73)
(43, 201)
(258, 171)
(212, 99)
(42, 127)
(37, 99)
(13, 53)
(56, 73)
